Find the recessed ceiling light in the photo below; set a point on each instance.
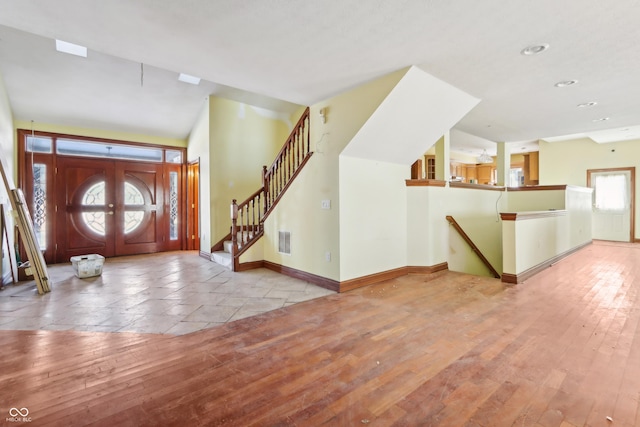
(534, 49)
(189, 79)
(587, 104)
(566, 83)
(71, 49)
(602, 119)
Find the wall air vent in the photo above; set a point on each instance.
(284, 242)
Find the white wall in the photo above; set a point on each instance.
(7, 150)
(531, 240)
(578, 203)
(198, 149)
(373, 217)
(418, 111)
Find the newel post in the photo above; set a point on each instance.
(234, 229)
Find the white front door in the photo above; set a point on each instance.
(611, 204)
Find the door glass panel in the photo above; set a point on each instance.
(610, 192)
(173, 205)
(132, 196)
(39, 204)
(39, 144)
(76, 147)
(95, 196)
(132, 218)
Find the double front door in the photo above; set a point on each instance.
(110, 208)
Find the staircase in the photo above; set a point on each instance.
(224, 256)
(247, 217)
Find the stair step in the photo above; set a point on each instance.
(227, 245)
(222, 258)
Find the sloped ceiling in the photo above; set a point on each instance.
(275, 53)
(418, 110)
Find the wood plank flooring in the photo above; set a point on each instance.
(562, 349)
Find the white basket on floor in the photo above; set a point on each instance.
(87, 265)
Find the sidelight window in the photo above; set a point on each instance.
(173, 205)
(40, 204)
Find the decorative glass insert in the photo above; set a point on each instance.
(132, 197)
(95, 196)
(77, 147)
(173, 205)
(39, 144)
(39, 204)
(173, 156)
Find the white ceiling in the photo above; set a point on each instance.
(278, 53)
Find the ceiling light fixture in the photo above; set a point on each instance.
(566, 83)
(587, 104)
(534, 49)
(484, 157)
(186, 78)
(71, 49)
(602, 119)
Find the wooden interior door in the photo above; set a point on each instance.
(139, 207)
(193, 206)
(85, 203)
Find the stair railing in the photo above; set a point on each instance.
(288, 162)
(246, 221)
(247, 217)
(475, 249)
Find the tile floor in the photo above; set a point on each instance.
(173, 292)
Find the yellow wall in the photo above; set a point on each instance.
(373, 217)
(100, 133)
(567, 162)
(7, 152)
(198, 149)
(316, 231)
(241, 141)
(432, 241)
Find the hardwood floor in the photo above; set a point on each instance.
(561, 349)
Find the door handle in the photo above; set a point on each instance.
(110, 205)
(110, 213)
